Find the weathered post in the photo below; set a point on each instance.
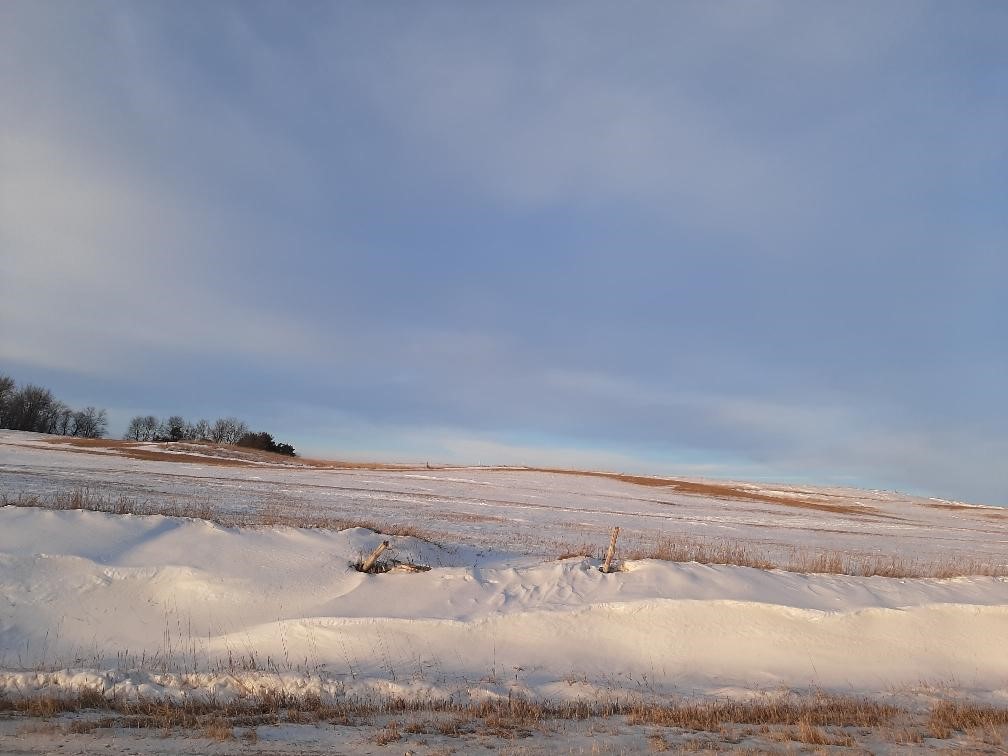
(370, 561)
(612, 550)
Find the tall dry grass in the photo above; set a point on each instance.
(814, 718)
(267, 705)
(809, 561)
(965, 716)
(813, 710)
(267, 515)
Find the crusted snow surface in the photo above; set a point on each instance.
(153, 605)
(509, 510)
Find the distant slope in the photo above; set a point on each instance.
(542, 511)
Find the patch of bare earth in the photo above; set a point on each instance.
(207, 453)
(716, 490)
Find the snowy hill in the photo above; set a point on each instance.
(147, 605)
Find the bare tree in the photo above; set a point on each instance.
(201, 431)
(48, 419)
(34, 408)
(227, 430)
(135, 430)
(6, 394)
(218, 431)
(149, 427)
(174, 428)
(90, 423)
(29, 408)
(63, 420)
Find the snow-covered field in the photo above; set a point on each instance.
(509, 510)
(175, 607)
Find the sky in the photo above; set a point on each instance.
(760, 241)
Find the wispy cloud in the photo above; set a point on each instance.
(760, 240)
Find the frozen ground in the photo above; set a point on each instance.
(509, 510)
(153, 606)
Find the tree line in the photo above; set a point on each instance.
(34, 408)
(225, 430)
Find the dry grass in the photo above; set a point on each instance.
(658, 744)
(815, 710)
(725, 551)
(579, 550)
(389, 734)
(267, 516)
(815, 719)
(419, 727)
(950, 716)
(217, 720)
(219, 730)
(809, 733)
(704, 552)
(93, 501)
(905, 736)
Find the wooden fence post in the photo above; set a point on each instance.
(612, 550)
(370, 561)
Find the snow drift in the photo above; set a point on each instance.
(159, 605)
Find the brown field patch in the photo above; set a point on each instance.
(208, 453)
(952, 506)
(721, 491)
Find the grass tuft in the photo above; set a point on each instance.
(219, 730)
(389, 734)
(950, 716)
(729, 552)
(819, 709)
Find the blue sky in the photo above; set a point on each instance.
(749, 240)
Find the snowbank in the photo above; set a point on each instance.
(159, 605)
